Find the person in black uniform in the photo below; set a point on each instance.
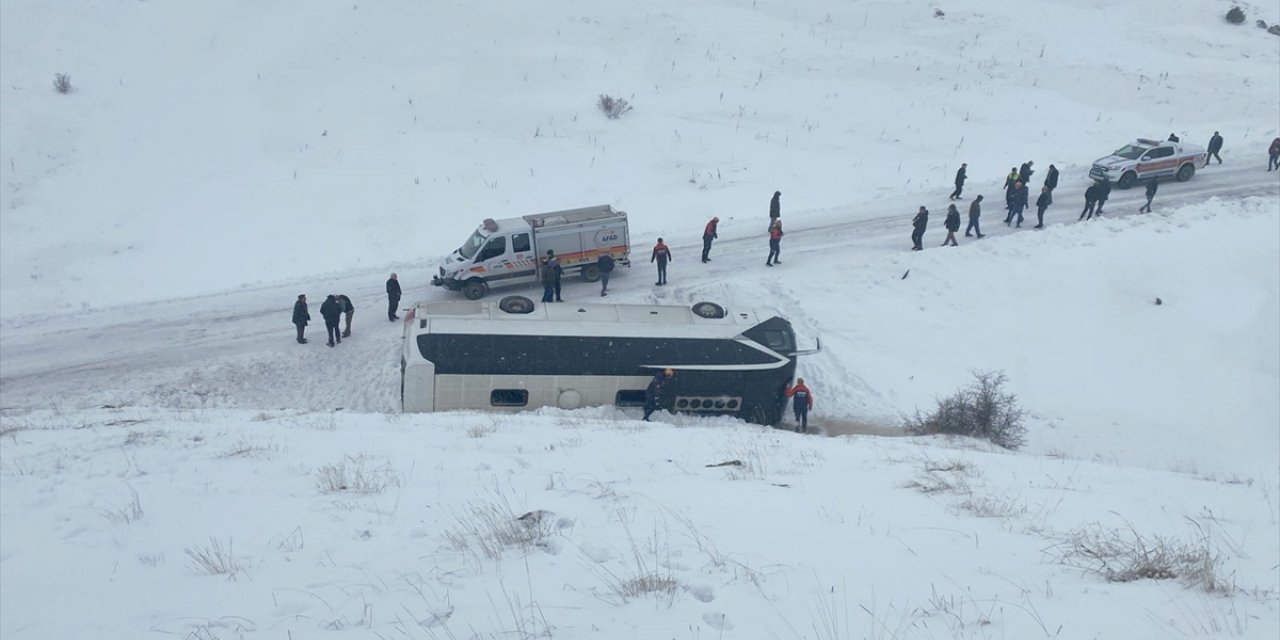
(960, 178)
(301, 317)
(393, 297)
(331, 309)
(653, 393)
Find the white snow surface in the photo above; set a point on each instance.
(217, 159)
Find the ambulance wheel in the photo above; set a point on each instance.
(474, 289)
(708, 310)
(1127, 180)
(516, 304)
(1186, 171)
(591, 273)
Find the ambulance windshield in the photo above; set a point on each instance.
(473, 244)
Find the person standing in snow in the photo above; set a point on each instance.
(1215, 145)
(1273, 153)
(1042, 203)
(1009, 181)
(1017, 203)
(1090, 201)
(301, 316)
(975, 212)
(918, 225)
(653, 393)
(960, 178)
(709, 234)
(348, 311)
(605, 265)
(1104, 192)
(393, 297)
(1051, 179)
(549, 268)
(802, 402)
(1152, 186)
(1024, 172)
(952, 224)
(661, 255)
(331, 310)
(775, 206)
(775, 243)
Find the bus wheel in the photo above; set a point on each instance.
(516, 304)
(708, 310)
(474, 289)
(591, 273)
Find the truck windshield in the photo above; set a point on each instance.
(1129, 152)
(469, 248)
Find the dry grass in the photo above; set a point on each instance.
(215, 559)
(356, 474)
(1124, 555)
(488, 528)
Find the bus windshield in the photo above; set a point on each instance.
(473, 244)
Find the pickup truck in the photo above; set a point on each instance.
(511, 250)
(1147, 159)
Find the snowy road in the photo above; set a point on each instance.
(234, 349)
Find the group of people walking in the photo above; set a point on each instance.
(336, 308)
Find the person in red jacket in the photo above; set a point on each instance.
(661, 255)
(802, 402)
(709, 234)
(775, 243)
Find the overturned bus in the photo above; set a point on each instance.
(516, 354)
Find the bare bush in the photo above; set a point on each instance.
(981, 410)
(1127, 556)
(1235, 15)
(650, 574)
(355, 474)
(613, 107)
(62, 83)
(481, 430)
(127, 513)
(490, 527)
(215, 560)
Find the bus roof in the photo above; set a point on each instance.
(485, 316)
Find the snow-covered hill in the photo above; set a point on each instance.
(215, 160)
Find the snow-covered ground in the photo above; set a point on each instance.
(216, 160)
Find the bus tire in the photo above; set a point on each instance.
(591, 273)
(708, 310)
(474, 289)
(516, 304)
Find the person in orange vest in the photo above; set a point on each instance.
(661, 255)
(775, 243)
(802, 402)
(709, 234)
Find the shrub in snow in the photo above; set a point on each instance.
(1274, 30)
(1127, 556)
(215, 559)
(1235, 15)
(62, 83)
(612, 107)
(1262, 24)
(981, 410)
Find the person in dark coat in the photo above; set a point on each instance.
(1025, 171)
(331, 309)
(975, 212)
(775, 243)
(952, 223)
(709, 234)
(1090, 201)
(549, 268)
(605, 265)
(775, 206)
(1042, 203)
(960, 178)
(1215, 145)
(661, 255)
(348, 311)
(801, 403)
(1104, 192)
(1017, 202)
(301, 316)
(1273, 155)
(1051, 178)
(1152, 186)
(918, 225)
(393, 297)
(1174, 138)
(653, 393)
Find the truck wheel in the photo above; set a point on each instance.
(1186, 171)
(474, 289)
(516, 304)
(1127, 180)
(708, 310)
(591, 273)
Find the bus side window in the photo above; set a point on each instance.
(520, 243)
(496, 247)
(629, 398)
(509, 397)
